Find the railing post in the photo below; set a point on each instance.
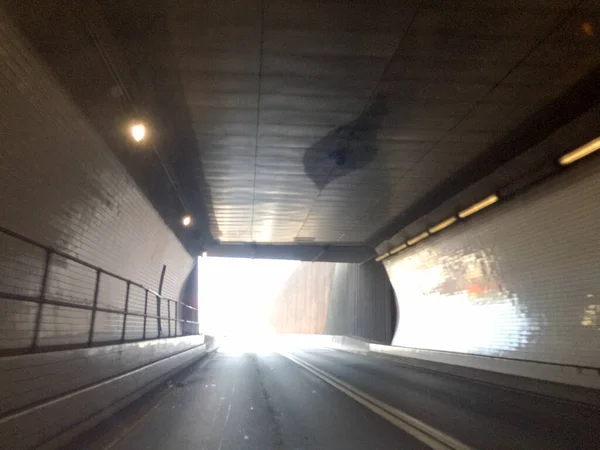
(43, 287)
(145, 312)
(169, 315)
(94, 307)
(176, 317)
(125, 313)
(159, 299)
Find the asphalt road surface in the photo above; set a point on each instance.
(483, 416)
(263, 402)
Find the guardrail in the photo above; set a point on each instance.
(60, 295)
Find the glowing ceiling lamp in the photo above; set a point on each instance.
(186, 221)
(138, 131)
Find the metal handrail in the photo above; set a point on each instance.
(42, 300)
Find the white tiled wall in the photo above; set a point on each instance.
(61, 185)
(519, 280)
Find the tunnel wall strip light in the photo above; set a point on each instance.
(445, 224)
(398, 249)
(382, 257)
(478, 206)
(418, 238)
(580, 152)
(565, 160)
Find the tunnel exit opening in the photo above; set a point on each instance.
(236, 298)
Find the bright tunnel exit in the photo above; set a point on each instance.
(236, 296)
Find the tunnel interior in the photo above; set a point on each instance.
(402, 196)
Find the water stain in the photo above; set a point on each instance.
(347, 148)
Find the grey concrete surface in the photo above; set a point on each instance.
(53, 422)
(248, 401)
(33, 379)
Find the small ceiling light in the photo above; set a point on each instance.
(418, 238)
(580, 152)
(398, 249)
(382, 257)
(478, 206)
(138, 131)
(204, 254)
(186, 221)
(440, 226)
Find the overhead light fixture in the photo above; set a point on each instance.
(478, 206)
(186, 221)
(580, 152)
(398, 249)
(138, 131)
(381, 257)
(418, 238)
(204, 254)
(445, 224)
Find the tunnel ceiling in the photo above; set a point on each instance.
(310, 130)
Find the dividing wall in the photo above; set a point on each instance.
(342, 299)
(362, 303)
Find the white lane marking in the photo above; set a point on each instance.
(232, 396)
(430, 436)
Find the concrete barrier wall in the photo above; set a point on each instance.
(50, 397)
(458, 363)
(564, 374)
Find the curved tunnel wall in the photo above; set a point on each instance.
(62, 186)
(518, 281)
(361, 302)
(344, 299)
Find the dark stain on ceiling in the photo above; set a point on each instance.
(349, 147)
